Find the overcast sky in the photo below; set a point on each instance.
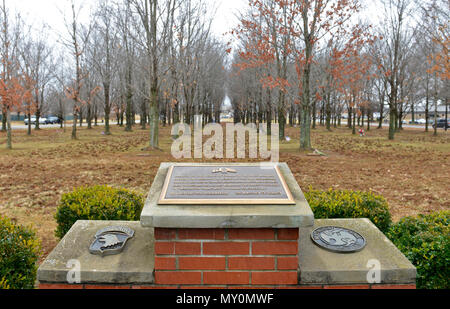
(50, 12)
(37, 12)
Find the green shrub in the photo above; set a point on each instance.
(97, 203)
(4, 285)
(19, 252)
(425, 241)
(333, 204)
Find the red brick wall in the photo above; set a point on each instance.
(56, 286)
(226, 257)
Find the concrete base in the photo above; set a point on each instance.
(226, 216)
(319, 266)
(178, 262)
(133, 266)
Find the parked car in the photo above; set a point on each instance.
(33, 120)
(418, 121)
(442, 123)
(53, 120)
(421, 121)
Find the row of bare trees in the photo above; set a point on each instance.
(158, 59)
(312, 61)
(306, 62)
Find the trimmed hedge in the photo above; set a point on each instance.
(425, 241)
(97, 203)
(19, 253)
(341, 204)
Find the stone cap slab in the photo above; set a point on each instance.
(320, 266)
(226, 216)
(133, 265)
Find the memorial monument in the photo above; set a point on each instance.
(226, 226)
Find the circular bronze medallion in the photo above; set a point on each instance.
(338, 239)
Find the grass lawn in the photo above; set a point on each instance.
(412, 172)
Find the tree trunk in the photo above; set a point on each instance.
(129, 121)
(392, 124)
(154, 106)
(74, 126)
(435, 116)
(29, 124)
(350, 116)
(393, 115)
(281, 115)
(81, 117)
(435, 106)
(154, 119)
(269, 111)
(305, 125)
(328, 112)
(362, 117)
(305, 128)
(314, 115)
(95, 115)
(164, 114)
(176, 113)
(144, 114)
(4, 112)
(446, 114)
(89, 116)
(354, 122)
(107, 107)
(38, 116)
(128, 114)
(322, 113)
(8, 130)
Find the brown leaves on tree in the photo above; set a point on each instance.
(299, 21)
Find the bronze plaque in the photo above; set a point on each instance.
(225, 184)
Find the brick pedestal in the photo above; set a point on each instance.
(180, 258)
(226, 257)
(52, 286)
(226, 246)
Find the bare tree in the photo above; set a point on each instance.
(103, 55)
(149, 13)
(77, 43)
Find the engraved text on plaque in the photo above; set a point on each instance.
(225, 184)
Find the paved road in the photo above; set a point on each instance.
(386, 125)
(49, 126)
(24, 127)
(42, 126)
